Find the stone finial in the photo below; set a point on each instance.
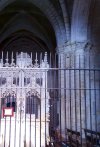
(12, 60)
(36, 65)
(7, 64)
(45, 59)
(1, 61)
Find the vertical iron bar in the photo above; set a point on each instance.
(1, 100)
(60, 99)
(55, 91)
(0, 112)
(34, 104)
(90, 95)
(90, 91)
(21, 108)
(50, 127)
(26, 107)
(20, 126)
(70, 106)
(95, 103)
(99, 105)
(85, 95)
(80, 82)
(5, 133)
(5, 119)
(15, 113)
(30, 110)
(75, 94)
(10, 131)
(65, 96)
(0, 108)
(40, 99)
(70, 92)
(99, 94)
(25, 117)
(10, 98)
(30, 117)
(45, 106)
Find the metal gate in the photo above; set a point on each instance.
(77, 95)
(52, 101)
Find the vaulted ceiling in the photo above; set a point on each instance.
(44, 25)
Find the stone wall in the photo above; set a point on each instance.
(80, 95)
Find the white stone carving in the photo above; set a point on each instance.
(21, 81)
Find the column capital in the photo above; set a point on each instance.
(78, 47)
(75, 48)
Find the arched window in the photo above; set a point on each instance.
(32, 105)
(9, 100)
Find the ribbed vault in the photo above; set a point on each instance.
(27, 18)
(55, 22)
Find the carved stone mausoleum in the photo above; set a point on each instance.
(23, 87)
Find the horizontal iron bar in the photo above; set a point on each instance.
(39, 69)
(31, 88)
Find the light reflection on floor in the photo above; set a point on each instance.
(22, 134)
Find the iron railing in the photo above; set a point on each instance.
(60, 108)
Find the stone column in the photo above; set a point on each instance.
(80, 98)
